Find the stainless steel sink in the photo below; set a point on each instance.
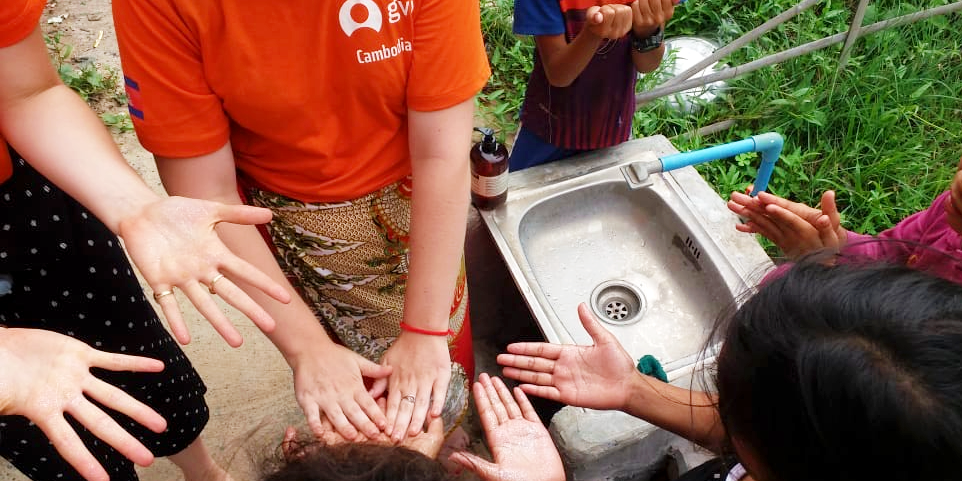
(656, 264)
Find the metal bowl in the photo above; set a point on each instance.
(682, 53)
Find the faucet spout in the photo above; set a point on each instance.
(638, 173)
(768, 144)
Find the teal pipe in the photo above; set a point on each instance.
(768, 144)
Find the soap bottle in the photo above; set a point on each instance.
(489, 171)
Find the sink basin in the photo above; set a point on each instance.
(640, 258)
(657, 264)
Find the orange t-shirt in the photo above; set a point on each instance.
(18, 18)
(313, 95)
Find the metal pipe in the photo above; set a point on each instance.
(768, 144)
(794, 52)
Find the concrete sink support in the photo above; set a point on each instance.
(657, 263)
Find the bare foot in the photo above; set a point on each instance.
(215, 473)
(197, 464)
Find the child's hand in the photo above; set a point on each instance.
(953, 208)
(609, 21)
(795, 228)
(648, 15)
(592, 376)
(520, 444)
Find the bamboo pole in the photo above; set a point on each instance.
(741, 41)
(853, 31)
(732, 72)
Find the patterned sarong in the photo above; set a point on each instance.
(349, 260)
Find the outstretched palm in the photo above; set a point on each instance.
(173, 243)
(46, 375)
(520, 445)
(593, 376)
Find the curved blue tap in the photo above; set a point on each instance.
(768, 144)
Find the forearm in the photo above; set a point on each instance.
(66, 142)
(689, 414)
(438, 217)
(563, 62)
(298, 331)
(440, 143)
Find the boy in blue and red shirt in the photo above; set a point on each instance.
(580, 94)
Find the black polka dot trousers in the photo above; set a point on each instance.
(62, 270)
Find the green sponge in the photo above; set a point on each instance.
(650, 366)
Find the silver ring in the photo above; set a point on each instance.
(409, 398)
(158, 295)
(210, 287)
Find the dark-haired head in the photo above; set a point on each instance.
(848, 372)
(354, 462)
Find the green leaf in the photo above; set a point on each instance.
(921, 90)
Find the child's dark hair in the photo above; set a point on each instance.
(353, 462)
(847, 372)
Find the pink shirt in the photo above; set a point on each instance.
(923, 241)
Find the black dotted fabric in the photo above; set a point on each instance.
(61, 269)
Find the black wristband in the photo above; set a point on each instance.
(649, 43)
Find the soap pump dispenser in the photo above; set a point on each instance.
(489, 171)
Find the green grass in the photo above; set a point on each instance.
(511, 58)
(885, 132)
(99, 86)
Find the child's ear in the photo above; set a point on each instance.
(290, 447)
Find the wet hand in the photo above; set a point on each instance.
(795, 228)
(173, 244)
(419, 383)
(648, 15)
(587, 376)
(329, 383)
(46, 375)
(611, 21)
(520, 444)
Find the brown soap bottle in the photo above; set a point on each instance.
(489, 171)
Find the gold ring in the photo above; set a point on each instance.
(158, 295)
(409, 398)
(210, 287)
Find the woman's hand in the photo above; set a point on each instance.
(418, 385)
(520, 444)
(795, 228)
(593, 376)
(173, 244)
(45, 375)
(329, 383)
(427, 443)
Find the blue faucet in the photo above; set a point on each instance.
(768, 144)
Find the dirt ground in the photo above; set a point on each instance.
(250, 390)
(241, 398)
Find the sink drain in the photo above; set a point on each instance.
(618, 302)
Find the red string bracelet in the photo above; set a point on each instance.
(417, 330)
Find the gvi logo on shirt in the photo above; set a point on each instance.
(374, 19)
